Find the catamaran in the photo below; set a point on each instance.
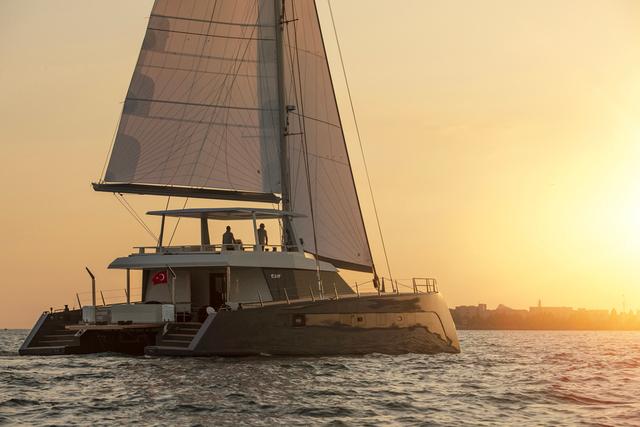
(234, 100)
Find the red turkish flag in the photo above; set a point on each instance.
(159, 277)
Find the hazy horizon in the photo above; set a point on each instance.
(502, 139)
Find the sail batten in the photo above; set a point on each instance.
(238, 24)
(208, 35)
(193, 104)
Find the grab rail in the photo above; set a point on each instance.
(289, 294)
(429, 283)
(217, 248)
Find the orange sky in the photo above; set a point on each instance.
(502, 138)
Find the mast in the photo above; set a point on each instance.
(288, 236)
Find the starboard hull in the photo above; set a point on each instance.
(392, 324)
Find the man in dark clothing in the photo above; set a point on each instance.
(228, 239)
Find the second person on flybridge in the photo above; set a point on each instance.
(229, 240)
(263, 239)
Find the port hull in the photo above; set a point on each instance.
(60, 333)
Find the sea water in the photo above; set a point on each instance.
(500, 378)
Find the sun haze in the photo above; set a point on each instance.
(502, 139)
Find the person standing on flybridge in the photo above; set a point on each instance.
(263, 239)
(228, 239)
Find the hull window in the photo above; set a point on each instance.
(299, 320)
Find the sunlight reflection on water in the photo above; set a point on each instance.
(501, 377)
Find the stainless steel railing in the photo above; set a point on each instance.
(429, 284)
(218, 248)
(109, 296)
(397, 287)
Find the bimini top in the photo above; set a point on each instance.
(227, 214)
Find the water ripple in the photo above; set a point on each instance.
(500, 378)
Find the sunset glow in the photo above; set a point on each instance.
(502, 138)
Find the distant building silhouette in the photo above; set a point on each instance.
(542, 318)
(559, 312)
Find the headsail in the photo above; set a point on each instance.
(202, 109)
(316, 142)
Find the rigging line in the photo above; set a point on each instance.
(318, 120)
(137, 215)
(175, 228)
(136, 218)
(355, 121)
(166, 208)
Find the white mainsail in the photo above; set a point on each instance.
(202, 108)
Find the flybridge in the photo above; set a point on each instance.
(225, 214)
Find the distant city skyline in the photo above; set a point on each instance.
(543, 318)
(540, 303)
